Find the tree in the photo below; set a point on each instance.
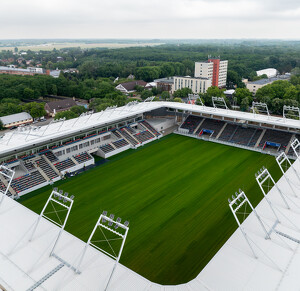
(290, 93)
(1, 125)
(177, 99)
(28, 93)
(241, 93)
(147, 73)
(154, 91)
(65, 114)
(215, 92)
(245, 104)
(145, 94)
(102, 106)
(276, 106)
(183, 93)
(165, 95)
(35, 109)
(78, 109)
(139, 88)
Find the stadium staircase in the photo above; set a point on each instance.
(51, 165)
(118, 134)
(42, 173)
(5, 183)
(228, 132)
(260, 138)
(255, 136)
(211, 124)
(150, 128)
(232, 135)
(222, 129)
(113, 145)
(289, 144)
(74, 161)
(196, 129)
(146, 128)
(45, 169)
(128, 136)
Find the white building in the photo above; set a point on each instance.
(255, 85)
(270, 72)
(16, 119)
(214, 69)
(197, 84)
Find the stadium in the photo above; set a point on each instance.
(152, 196)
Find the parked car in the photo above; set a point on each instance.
(13, 127)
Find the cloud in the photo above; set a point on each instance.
(150, 19)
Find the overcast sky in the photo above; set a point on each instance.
(150, 19)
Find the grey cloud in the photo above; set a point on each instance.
(151, 19)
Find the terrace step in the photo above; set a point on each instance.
(196, 129)
(51, 165)
(222, 129)
(260, 138)
(120, 133)
(146, 128)
(4, 181)
(74, 161)
(289, 144)
(252, 136)
(127, 131)
(41, 171)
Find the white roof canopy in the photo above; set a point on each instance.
(30, 137)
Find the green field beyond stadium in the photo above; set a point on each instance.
(174, 193)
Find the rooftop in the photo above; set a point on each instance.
(189, 77)
(165, 80)
(15, 117)
(61, 104)
(271, 80)
(130, 86)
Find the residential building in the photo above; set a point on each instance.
(255, 85)
(16, 119)
(214, 69)
(57, 106)
(129, 87)
(196, 84)
(270, 72)
(165, 84)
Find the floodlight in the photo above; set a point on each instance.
(72, 197)
(111, 217)
(229, 201)
(126, 223)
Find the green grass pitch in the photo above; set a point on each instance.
(174, 193)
